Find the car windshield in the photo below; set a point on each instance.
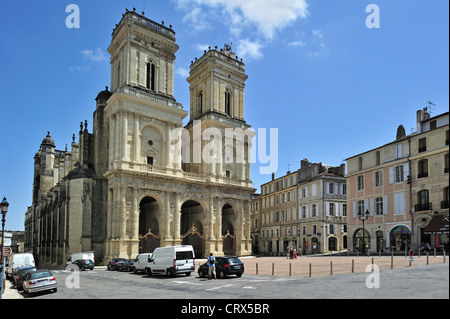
(41, 274)
(234, 260)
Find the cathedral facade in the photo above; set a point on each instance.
(141, 179)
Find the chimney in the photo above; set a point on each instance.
(400, 132)
(422, 115)
(273, 176)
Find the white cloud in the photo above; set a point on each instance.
(249, 50)
(196, 19)
(268, 16)
(318, 40)
(183, 72)
(97, 56)
(296, 44)
(79, 68)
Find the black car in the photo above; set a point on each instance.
(226, 265)
(127, 265)
(19, 276)
(115, 263)
(84, 264)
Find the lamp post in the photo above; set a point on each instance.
(4, 209)
(363, 217)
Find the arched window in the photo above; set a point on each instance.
(150, 84)
(227, 102)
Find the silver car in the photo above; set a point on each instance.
(39, 280)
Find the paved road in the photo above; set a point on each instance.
(429, 282)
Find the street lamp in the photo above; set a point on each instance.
(363, 217)
(4, 209)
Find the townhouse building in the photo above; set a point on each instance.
(391, 188)
(306, 209)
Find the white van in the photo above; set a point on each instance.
(18, 261)
(89, 255)
(172, 260)
(142, 262)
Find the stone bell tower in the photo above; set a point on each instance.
(217, 82)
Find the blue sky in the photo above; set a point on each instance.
(331, 86)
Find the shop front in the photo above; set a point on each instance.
(437, 232)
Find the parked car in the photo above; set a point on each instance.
(19, 261)
(172, 260)
(39, 280)
(127, 265)
(115, 263)
(20, 276)
(88, 255)
(84, 264)
(226, 265)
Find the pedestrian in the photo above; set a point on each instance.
(300, 251)
(211, 265)
(314, 248)
(295, 253)
(291, 252)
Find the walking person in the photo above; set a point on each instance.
(295, 253)
(211, 265)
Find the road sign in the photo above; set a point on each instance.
(411, 253)
(7, 251)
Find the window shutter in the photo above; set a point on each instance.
(372, 207)
(354, 209)
(385, 205)
(327, 209)
(366, 205)
(328, 188)
(336, 188)
(391, 175)
(405, 171)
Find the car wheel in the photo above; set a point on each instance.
(188, 274)
(239, 275)
(221, 274)
(201, 274)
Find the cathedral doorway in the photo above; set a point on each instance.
(228, 234)
(149, 237)
(191, 227)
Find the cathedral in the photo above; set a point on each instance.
(140, 179)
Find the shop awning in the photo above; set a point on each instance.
(437, 225)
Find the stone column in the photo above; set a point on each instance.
(166, 219)
(112, 133)
(125, 137)
(177, 221)
(137, 144)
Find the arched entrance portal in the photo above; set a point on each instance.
(191, 228)
(400, 238)
(361, 240)
(228, 235)
(149, 237)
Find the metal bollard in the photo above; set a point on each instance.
(331, 267)
(290, 269)
(392, 261)
(256, 268)
(428, 255)
(310, 270)
(353, 265)
(273, 268)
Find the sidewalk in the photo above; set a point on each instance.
(11, 292)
